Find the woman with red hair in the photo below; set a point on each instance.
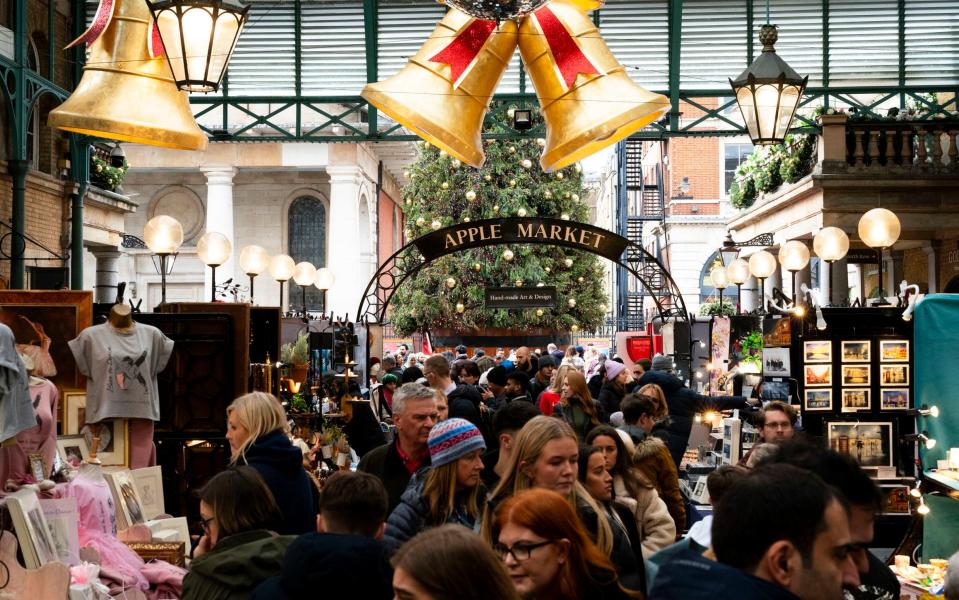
(549, 554)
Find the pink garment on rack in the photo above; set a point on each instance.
(143, 452)
(41, 439)
(166, 580)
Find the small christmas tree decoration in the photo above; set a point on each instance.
(496, 208)
(412, 176)
(450, 283)
(443, 154)
(519, 283)
(466, 219)
(409, 202)
(571, 302)
(559, 175)
(581, 279)
(406, 174)
(547, 269)
(512, 183)
(566, 195)
(527, 163)
(420, 222)
(575, 197)
(508, 255)
(564, 216)
(470, 195)
(456, 163)
(445, 185)
(477, 267)
(568, 262)
(547, 194)
(574, 327)
(521, 212)
(436, 225)
(511, 113)
(460, 307)
(577, 168)
(539, 312)
(541, 142)
(512, 150)
(540, 284)
(488, 177)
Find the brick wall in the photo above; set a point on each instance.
(44, 217)
(698, 159)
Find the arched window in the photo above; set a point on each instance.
(307, 241)
(33, 123)
(707, 293)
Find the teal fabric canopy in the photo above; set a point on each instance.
(937, 371)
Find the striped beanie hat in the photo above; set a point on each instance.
(452, 439)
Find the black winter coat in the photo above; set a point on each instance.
(280, 464)
(412, 515)
(684, 404)
(689, 576)
(465, 403)
(610, 396)
(385, 463)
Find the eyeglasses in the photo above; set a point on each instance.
(521, 552)
(205, 524)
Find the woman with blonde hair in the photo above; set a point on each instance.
(546, 455)
(578, 407)
(447, 491)
(258, 432)
(656, 393)
(552, 395)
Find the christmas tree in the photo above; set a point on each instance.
(449, 292)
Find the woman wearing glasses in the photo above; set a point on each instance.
(238, 549)
(548, 553)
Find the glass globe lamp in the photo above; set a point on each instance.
(879, 228)
(254, 260)
(163, 235)
(324, 282)
(762, 264)
(281, 269)
(214, 249)
(831, 244)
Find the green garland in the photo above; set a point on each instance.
(104, 176)
(767, 169)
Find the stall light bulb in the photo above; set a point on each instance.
(930, 443)
(702, 344)
(820, 320)
(800, 311)
(915, 492)
(699, 374)
(922, 509)
(934, 411)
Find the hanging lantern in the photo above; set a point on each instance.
(768, 92)
(199, 37)
(729, 250)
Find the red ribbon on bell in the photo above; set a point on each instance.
(101, 20)
(569, 58)
(461, 53)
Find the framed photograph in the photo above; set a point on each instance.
(818, 375)
(894, 375)
(171, 552)
(62, 520)
(855, 399)
(114, 434)
(776, 390)
(73, 449)
(776, 362)
(33, 533)
(37, 468)
(856, 351)
(894, 398)
(127, 499)
(855, 375)
(893, 350)
(819, 351)
(869, 442)
(819, 399)
(42, 323)
(895, 500)
(149, 484)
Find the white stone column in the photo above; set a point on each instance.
(890, 287)
(219, 217)
(931, 265)
(108, 274)
(749, 297)
(344, 240)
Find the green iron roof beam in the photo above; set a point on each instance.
(675, 53)
(371, 31)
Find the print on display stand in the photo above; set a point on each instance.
(856, 375)
(893, 351)
(775, 389)
(776, 362)
(855, 400)
(856, 352)
(819, 351)
(819, 399)
(114, 433)
(818, 375)
(894, 398)
(869, 442)
(897, 375)
(73, 449)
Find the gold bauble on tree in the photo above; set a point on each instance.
(508, 255)
(450, 282)
(436, 225)
(571, 302)
(460, 307)
(521, 212)
(539, 312)
(519, 283)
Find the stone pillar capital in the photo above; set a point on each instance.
(345, 174)
(219, 175)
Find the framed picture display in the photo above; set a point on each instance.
(818, 375)
(818, 399)
(856, 351)
(894, 398)
(893, 375)
(819, 351)
(126, 497)
(869, 442)
(42, 323)
(895, 500)
(73, 449)
(149, 484)
(776, 362)
(114, 434)
(775, 390)
(855, 375)
(37, 468)
(855, 399)
(33, 533)
(893, 350)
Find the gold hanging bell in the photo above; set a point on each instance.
(127, 95)
(428, 98)
(589, 111)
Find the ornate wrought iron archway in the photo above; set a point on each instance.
(422, 251)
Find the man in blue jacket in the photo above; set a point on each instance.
(684, 404)
(779, 533)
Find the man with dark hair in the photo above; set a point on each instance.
(517, 387)
(540, 381)
(353, 509)
(464, 400)
(779, 533)
(865, 500)
(390, 367)
(506, 424)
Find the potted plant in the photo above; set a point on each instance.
(297, 354)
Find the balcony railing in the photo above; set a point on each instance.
(889, 146)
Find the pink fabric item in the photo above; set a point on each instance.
(120, 567)
(166, 580)
(94, 503)
(41, 439)
(143, 452)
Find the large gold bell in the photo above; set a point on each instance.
(596, 110)
(423, 97)
(125, 94)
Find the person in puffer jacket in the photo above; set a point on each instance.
(447, 491)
